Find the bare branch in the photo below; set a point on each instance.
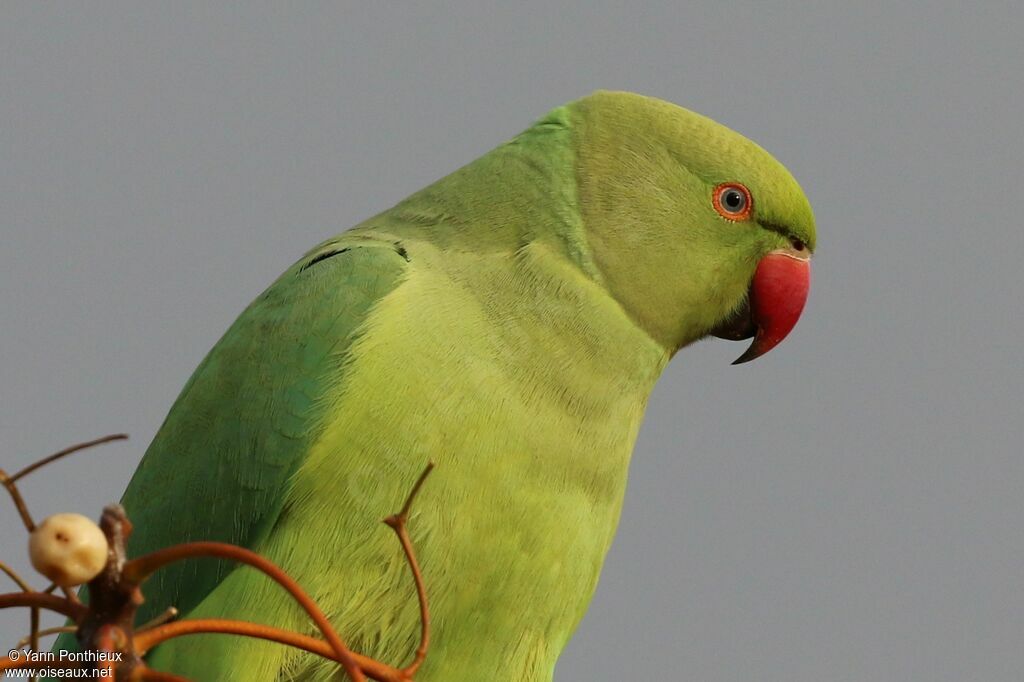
(107, 645)
(65, 452)
(19, 502)
(144, 641)
(43, 601)
(404, 514)
(15, 577)
(69, 629)
(106, 624)
(398, 523)
(33, 630)
(169, 614)
(139, 569)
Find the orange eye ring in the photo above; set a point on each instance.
(732, 201)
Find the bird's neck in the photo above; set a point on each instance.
(521, 193)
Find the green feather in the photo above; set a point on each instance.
(249, 414)
(507, 322)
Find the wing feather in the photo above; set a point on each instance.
(220, 464)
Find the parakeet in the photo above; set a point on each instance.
(508, 322)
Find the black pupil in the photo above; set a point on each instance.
(733, 199)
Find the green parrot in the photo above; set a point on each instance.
(508, 322)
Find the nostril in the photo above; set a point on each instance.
(798, 244)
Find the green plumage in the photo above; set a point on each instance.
(508, 323)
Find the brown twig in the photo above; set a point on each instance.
(59, 630)
(13, 575)
(65, 452)
(9, 482)
(43, 601)
(398, 523)
(137, 570)
(33, 636)
(107, 646)
(113, 631)
(169, 614)
(375, 670)
(33, 620)
(19, 501)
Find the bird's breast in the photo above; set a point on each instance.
(529, 403)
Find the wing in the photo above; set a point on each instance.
(220, 464)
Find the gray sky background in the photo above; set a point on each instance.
(848, 508)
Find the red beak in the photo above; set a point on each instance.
(777, 296)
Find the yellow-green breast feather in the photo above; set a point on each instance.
(480, 324)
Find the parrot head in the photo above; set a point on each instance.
(694, 229)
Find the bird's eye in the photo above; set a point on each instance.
(732, 201)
